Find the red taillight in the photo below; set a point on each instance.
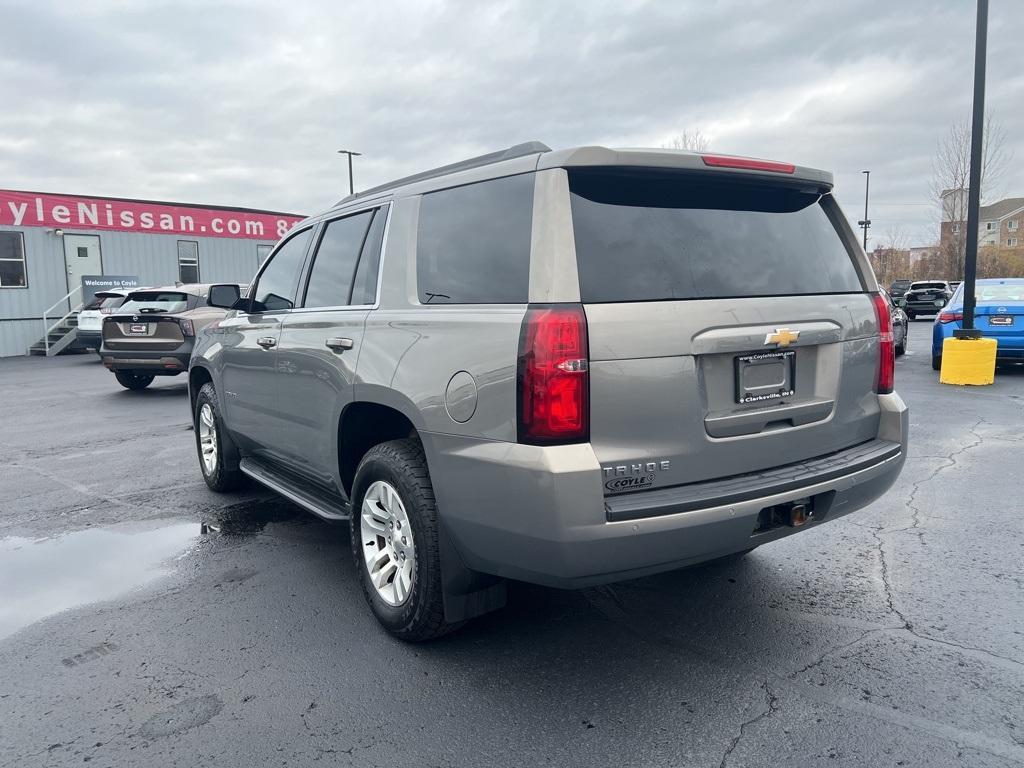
(748, 163)
(186, 327)
(886, 348)
(950, 317)
(553, 378)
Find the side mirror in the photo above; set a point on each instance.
(225, 296)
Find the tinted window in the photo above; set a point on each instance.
(473, 245)
(155, 302)
(919, 286)
(648, 236)
(364, 288)
(278, 282)
(330, 279)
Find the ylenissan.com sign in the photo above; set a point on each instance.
(37, 209)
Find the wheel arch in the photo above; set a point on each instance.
(198, 375)
(369, 421)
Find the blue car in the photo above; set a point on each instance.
(998, 314)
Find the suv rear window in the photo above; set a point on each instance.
(920, 286)
(473, 244)
(656, 236)
(155, 301)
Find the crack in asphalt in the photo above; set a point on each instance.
(915, 515)
(771, 705)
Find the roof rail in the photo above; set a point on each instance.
(519, 150)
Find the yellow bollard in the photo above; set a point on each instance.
(968, 361)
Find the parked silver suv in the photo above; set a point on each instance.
(567, 367)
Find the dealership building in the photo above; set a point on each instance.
(56, 250)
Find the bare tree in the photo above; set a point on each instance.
(891, 260)
(694, 140)
(951, 173)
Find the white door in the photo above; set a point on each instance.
(82, 257)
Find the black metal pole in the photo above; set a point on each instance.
(351, 183)
(867, 221)
(974, 190)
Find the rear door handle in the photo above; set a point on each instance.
(339, 344)
(267, 342)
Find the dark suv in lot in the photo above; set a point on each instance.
(926, 297)
(567, 367)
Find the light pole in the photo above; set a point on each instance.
(350, 153)
(865, 223)
(974, 188)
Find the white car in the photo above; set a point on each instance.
(90, 319)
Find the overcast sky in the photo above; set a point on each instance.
(245, 104)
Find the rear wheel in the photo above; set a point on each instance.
(901, 348)
(395, 541)
(133, 381)
(214, 444)
(936, 362)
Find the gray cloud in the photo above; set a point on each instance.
(246, 103)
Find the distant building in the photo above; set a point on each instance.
(54, 246)
(1000, 224)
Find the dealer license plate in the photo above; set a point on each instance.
(138, 329)
(765, 376)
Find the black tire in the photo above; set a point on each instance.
(225, 475)
(936, 362)
(133, 381)
(911, 316)
(901, 348)
(420, 616)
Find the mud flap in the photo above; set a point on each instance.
(466, 593)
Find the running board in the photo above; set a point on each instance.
(315, 503)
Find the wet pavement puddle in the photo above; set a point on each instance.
(42, 577)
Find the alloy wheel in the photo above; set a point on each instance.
(387, 542)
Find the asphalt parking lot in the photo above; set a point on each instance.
(146, 621)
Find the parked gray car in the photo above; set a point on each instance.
(564, 367)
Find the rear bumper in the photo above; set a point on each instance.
(158, 363)
(89, 339)
(538, 514)
(923, 307)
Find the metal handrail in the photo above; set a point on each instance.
(75, 308)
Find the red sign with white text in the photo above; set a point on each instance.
(34, 209)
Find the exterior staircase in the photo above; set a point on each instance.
(60, 335)
(60, 338)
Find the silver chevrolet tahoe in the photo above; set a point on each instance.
(564, 367)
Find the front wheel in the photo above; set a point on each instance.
(395, 541)
(214, 444)
(133, 381)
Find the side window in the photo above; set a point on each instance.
(334, 265)
(278, 282)
(473, 244)
(364, 287)
(262, 251)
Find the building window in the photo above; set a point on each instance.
(1012, 225)
(956, 229)
(262, 251)
(188, 261)
(12, 261)
(989, 226)
(1012, 242)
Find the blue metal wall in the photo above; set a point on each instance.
(151, 256)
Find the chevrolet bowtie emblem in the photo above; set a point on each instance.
(783, 337)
